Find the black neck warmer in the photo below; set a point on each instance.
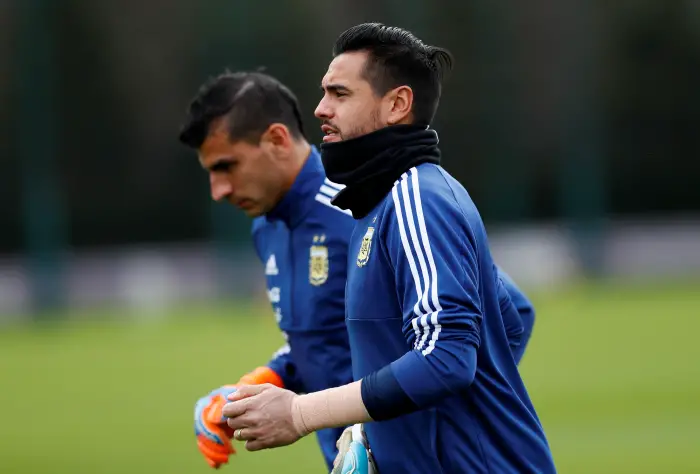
(370, 164)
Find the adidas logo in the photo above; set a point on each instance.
(271, 266)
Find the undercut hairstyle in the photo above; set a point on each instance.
(249, 101)
(396, 58)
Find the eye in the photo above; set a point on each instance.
(224, 167)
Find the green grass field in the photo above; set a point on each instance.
(614, 372)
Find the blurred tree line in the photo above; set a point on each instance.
(557, 109)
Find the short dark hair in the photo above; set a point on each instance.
(251, 101)
(396, 58)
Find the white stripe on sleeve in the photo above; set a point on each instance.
(336, 186)
(427, 304)
(285, 349)
(323, 199)
(414, 246)
(328, 191)
(431, 262)
(411, 262)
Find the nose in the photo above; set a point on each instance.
(221, 188)
(323, 111)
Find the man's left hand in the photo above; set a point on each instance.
(262, 416)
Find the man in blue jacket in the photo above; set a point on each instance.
(247, 129)
(437, 386)
(249, 136)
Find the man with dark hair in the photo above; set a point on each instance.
(247, 130)
(437, 387)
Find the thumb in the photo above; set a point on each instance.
(246, 391)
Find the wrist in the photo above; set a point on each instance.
(331, 408)
(298, 408)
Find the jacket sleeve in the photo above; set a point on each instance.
(282, 362)
(437, 280)
(283, 365)
(512, 322)
(525, 312)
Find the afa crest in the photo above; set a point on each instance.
(318, 261)
(365, 248)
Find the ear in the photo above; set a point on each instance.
(277, 135)
(401, 100)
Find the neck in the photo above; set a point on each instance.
(370, 164)
(300, 153)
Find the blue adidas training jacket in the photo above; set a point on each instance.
(430, 339)
(303, 245)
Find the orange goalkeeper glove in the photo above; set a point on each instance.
(212, 432)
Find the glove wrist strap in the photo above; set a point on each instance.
(260, 376)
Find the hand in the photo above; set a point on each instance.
(262, 415)
(213, 434)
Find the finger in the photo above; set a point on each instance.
(244, 434)
(239, 422)
(255, 445)
(245, 391)
(235, 409)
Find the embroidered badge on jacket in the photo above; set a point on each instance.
(318, 261)
(365, 248)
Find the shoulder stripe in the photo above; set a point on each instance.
(338, 187)
(328, 191)
(323, 199)
(431, 262)
(285, 349)
(407, 247)
(427, 308)
(416, 246)
(411, 262)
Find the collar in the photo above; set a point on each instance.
(295, 204)
(370, 164)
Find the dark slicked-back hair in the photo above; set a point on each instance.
(396, 58)
(250, 101)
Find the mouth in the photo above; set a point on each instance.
(330, 134)
(244, 204)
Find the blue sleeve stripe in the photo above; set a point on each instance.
(409, 213)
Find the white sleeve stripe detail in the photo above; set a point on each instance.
(407, 251)
(416, 246)
(422, 298)
(327, 201)
(338, 187)
(328, 191)
(431, 261)
(414, 323)
(420, 322)
(285, 349)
